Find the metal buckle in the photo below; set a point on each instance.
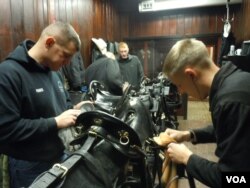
(124, 137)
(162, 155)
(61, 167)
(92, 133)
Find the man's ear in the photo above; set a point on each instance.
(50, 41)
(190, 73)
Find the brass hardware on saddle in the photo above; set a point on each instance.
(97, 121)
(162, 155)
(92, 133)
(124, 137)
(78, 129)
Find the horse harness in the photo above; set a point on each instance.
(122, 141)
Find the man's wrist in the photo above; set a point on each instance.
(187, 136)
(192, 136)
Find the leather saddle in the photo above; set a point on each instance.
(128, 109)
(134, 113)
(105, 126)
(104, 100)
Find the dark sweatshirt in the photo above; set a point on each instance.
(131, 70)
(230, 108)
(106, 71)
(31, 96)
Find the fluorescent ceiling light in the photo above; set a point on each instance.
(157, 5)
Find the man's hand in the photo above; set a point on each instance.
(163, 139)
(125, 86)
(178, 153)
(178, 136)
(67, 118)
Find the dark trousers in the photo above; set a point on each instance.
(23, 173)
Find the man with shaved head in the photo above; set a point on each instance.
(33, 103)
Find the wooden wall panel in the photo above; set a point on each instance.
(100, 18)
(180, 22)
(85, 26)
(151, 25)
(152, 50)
(97, 16)
(5, 26)
(246, 20)
(109, 23)
(70, 7)
(172, 25)
(158, 27)
(188, 24)
(164, 26)
(40, 15)
(195, 24)
(204, 24)
(17, 22)
(5, 29)
(26, 19)
(123, 26)
(242, 20)
(212, 23)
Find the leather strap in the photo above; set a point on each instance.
(58, 171)
(169, 171)
(129, 150)
(97, 168)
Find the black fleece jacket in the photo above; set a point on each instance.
(106, 71)
(131, 70)
(31, 96)
(230, 108)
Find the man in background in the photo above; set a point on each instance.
(73, 74)
(130, 66)
(105, 69)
